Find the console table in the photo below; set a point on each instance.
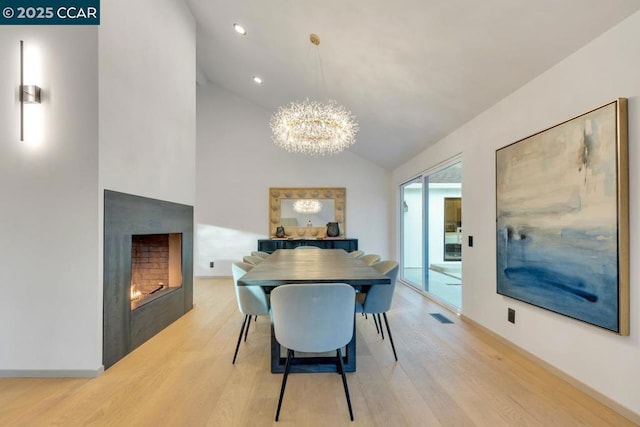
(270, 246)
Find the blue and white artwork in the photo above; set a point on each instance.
(557, 219)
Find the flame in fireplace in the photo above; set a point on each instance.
(135, 294)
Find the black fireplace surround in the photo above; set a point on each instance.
(126, 215)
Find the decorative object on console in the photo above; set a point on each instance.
(312, 127)
(562, 210)
(280, 231)
(333, 230)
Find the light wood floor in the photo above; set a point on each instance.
(447, 375)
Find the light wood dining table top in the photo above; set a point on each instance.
(312, 266)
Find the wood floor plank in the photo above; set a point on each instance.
(446, 375)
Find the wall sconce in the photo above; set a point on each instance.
(29, 94)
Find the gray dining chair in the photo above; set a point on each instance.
(313, 318)
(378, 298)
(260, 254)
(356, 253)
(370, 259)
(252, 301)
(253, 260)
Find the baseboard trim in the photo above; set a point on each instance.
(51, 373)
(607, 401)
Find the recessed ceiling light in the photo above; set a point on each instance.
(239, 29)
(257, 80)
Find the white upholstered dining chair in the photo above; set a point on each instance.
(370, 259)
(252, 301)
(314, 318)
(377, 300)
(253, 260)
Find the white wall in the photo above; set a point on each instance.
(236, 165)
(600, 72)
(147, 99)
(50, 296)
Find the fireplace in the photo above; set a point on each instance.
(148, 270)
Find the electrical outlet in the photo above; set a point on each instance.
(511, 315)
(211, 264)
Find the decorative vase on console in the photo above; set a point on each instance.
(280, 231)
(333, 230)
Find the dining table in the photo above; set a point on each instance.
(288, 266)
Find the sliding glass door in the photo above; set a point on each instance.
(431, 238)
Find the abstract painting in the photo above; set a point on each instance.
(562, 218)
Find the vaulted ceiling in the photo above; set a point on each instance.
(411, 71)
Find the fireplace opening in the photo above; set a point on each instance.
(156, 266)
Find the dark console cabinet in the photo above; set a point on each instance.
(269, 246)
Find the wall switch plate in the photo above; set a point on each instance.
(211, 264)
(511, 315)
(470, 240)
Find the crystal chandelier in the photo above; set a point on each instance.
(307, 206)
(312, 127)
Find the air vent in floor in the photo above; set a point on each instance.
(440, 318)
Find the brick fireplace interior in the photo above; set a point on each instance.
(156, 266)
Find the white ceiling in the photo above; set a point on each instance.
(411, 71)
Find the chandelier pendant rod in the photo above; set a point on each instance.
(321, 87)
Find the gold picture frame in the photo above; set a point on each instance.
(334, 196)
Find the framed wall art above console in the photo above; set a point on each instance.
(305, 212)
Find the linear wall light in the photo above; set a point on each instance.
(29, 94)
